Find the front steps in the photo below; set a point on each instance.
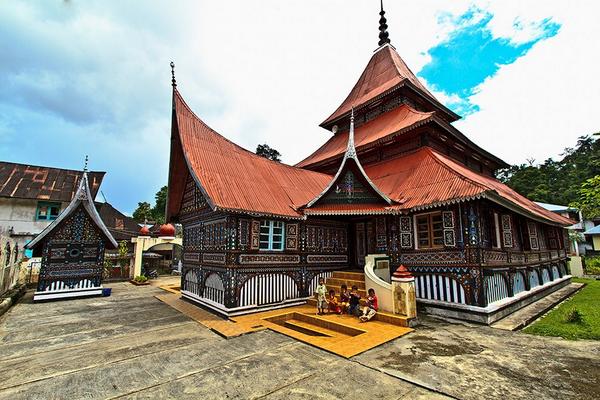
(339, 278)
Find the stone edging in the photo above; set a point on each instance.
(13, 297)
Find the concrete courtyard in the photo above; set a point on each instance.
(131, 345)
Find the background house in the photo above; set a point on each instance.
(31, 197)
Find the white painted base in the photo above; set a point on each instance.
(232, 312)
(495, 310)
(66, 294)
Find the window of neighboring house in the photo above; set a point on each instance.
(47, 211)
(119, 224)
(271, 235)
(430, 231)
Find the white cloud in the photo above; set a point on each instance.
(540, 104)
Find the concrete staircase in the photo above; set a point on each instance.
(349, 278)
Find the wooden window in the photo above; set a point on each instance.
(430, 231)
(271, 235)
(47, 211)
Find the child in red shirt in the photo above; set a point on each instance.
(371, 308)
(333, 303)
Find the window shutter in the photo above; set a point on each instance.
(507, 236)
(533, 236)
(291, 237)
(406, 232)
(449, 235)
(255, 235)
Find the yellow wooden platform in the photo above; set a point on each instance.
(345, 342)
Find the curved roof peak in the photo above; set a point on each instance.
(385, 71)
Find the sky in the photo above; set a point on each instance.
(93, 78)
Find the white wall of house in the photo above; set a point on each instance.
(18, 219)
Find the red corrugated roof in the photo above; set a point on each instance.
(397, 120)
(43, 183)
(238, 180)
(427, 178)
(385, 70)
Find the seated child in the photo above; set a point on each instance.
(344, 299)
(354, 308)
(333, 303)
(371, 308)
(321, 297)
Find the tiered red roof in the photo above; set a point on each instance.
(235, 179)
(388, 125)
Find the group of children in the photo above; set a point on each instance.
(349, 302)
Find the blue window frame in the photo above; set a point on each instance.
(47, 211)
(271, 235)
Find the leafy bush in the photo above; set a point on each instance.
(592, 266)
(574, 317)
(140, 279)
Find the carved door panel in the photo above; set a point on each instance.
(360, 244)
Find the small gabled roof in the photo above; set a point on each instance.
(350, 157)
(82, 197)
(385, 71)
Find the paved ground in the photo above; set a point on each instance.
(478, 362)
(131, 345)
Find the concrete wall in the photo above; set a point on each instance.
(596, 242)
(17, 219)
(9, 264)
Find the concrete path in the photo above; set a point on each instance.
(131, 345)
(478, 362)
(526, 315)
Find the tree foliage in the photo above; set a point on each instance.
(589, 198)
(556, 182)
(143, 212)
(156, 213)
(264, 150)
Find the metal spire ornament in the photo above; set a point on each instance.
(173, 82)
(85, 164)
(384, 36)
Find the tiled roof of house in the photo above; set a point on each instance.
(396, 121)
(385, 71)
(427, 178)
(236, 179)
(43, 183)
(121, 226)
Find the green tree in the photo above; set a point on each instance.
(559, 181)
(589, 198)
(143, 212)
(158, 211)
(264, 150)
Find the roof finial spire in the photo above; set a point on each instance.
(85, 164)
(173, 82)
(384, 36)
(351, 150)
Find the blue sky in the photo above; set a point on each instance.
(93, 77)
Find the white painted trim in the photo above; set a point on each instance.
(498, 304)
(230, 312)
(65, 294)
